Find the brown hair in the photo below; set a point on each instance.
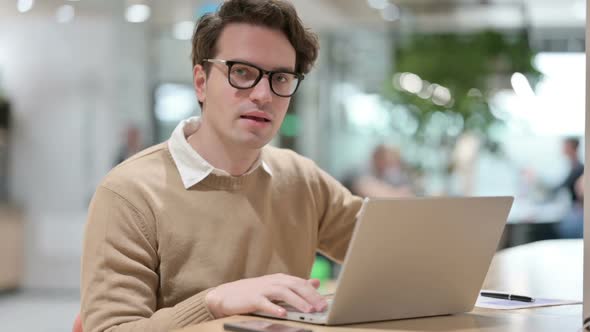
(274, 14)
(573, 141)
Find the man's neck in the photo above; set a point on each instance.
(235, 161)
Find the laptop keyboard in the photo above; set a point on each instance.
(290, 308)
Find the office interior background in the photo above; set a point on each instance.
(451, 97)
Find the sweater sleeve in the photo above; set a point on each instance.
(120, 282)
(338, 209)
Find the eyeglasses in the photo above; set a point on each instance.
(245, 76)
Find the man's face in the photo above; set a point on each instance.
(570, 150)
(233, 115)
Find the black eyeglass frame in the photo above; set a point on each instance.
(261, 73)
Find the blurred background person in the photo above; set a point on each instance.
(571, 226)
(576, 168)
(385, 176)
(131, 144)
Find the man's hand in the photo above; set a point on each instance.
(257, 294)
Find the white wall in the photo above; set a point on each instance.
(174, 59)
(73, 88)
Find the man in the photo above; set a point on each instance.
(570, 150)
(571, 226)
(213, 222)
(386, 176)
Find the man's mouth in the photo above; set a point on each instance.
(255, 118)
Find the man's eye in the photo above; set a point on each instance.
(240, 71)
(281, 78)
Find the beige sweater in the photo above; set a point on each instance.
(152, 249)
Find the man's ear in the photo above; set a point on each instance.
(200, 82)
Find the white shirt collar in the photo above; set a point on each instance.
(192, 167)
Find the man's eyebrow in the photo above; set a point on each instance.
(291, 70)
(287, 69)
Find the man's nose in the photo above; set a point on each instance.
(261, 93)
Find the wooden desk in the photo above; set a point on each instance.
(544, 269)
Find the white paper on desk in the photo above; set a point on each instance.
(493, 303)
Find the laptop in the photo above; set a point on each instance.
(414, 257)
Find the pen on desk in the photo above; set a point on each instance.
(510, 297)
